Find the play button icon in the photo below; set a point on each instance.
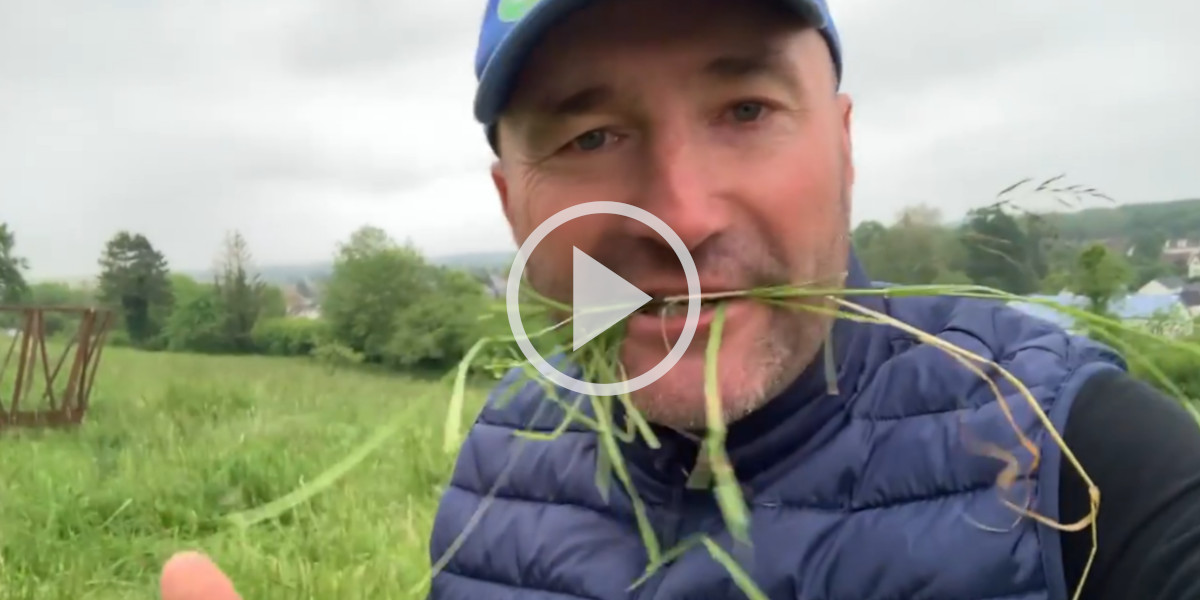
(601, 299)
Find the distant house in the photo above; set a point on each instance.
(299, 304)
(306, 312)
(1181, 246)
(1166, 313)
(304, 289)
(1162, 286)
(497, 285)
(1190, 297)
(494, 284)
(1117, 245)
(1182, 252)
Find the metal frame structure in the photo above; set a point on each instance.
(57, 405)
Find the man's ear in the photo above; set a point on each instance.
(501, 183)
(846, 108)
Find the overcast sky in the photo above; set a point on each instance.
(296, 121)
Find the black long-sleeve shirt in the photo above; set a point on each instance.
(1142, 450)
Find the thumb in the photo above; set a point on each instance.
(192, 576)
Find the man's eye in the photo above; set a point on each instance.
(747, 111)
(592, 140)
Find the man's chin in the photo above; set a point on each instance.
(677, 399)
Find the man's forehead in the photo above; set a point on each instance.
(572, 90)
(781, 56)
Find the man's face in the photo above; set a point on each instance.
(721, 118)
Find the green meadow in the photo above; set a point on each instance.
(174, 442)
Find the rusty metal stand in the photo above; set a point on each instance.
(57, 403)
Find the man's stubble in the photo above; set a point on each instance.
(790, 343)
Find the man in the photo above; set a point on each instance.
(724, 119)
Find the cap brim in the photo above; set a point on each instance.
(504, 67)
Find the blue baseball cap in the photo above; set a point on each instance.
(511, 29)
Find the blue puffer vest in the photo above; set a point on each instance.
(884, 491)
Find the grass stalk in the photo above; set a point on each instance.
(729, 497)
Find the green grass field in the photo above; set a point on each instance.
(173, 442)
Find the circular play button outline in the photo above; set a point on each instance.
(609, 208)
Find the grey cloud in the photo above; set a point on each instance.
(185, 118)
(370, 34)
(954, 101)
(893, 46)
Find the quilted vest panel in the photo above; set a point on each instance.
(882, 491)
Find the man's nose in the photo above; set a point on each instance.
(678, 185)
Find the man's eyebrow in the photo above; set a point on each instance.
(542, 113)
(579, 102)
(761, 62)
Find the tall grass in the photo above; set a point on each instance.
(174, 443)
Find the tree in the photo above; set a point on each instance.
(998, 252)
(134, 280)
(274, 303)
(439, 330)
(916, 250)
(1041, 238)
(1057, 281)
(373, 279)
(55, 293)
(184, 287)
(50, 293)
(1100, 276)
(866, 233)
(195, 323)
(13, 286)
(1148, 245)
(240, 294)
(1146, 257)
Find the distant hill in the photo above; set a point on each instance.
(276, 274)
(317, 272)
(477, 260)
(284, 274)
(1173, 219)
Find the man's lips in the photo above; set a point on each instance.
(666, 314)
(676, 288)
(652, 326)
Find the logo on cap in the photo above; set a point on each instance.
(510, 11)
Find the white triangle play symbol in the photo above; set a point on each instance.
(601, 298)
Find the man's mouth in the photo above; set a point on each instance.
(661, 307)
(662, 321)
